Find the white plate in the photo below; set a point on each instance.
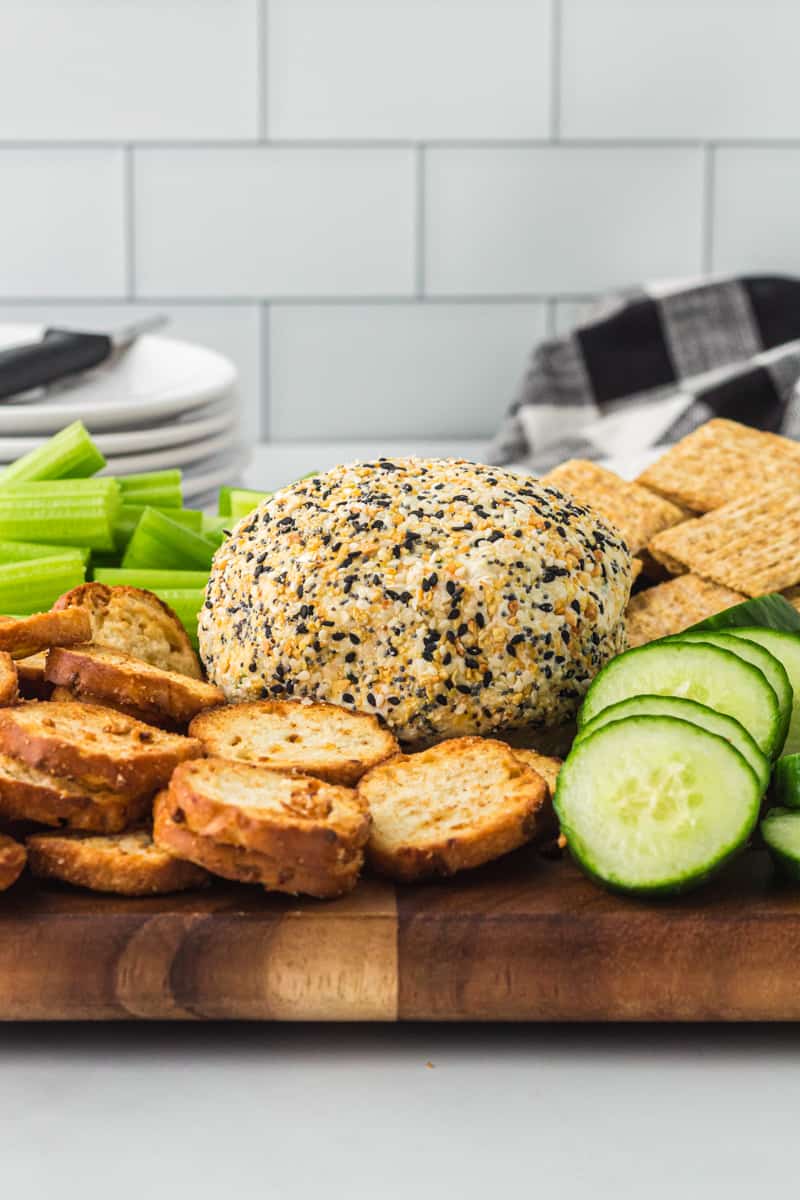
(174, 456)
(213, 419)
(155, 379)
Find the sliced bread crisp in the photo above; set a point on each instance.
(311, 833)
(129, 864)
(547, 767)
(459, 804)
(229, 862)
(28, 794)
(130, 710)
(98, 747)
(23, 636)
(12, 861)
(119, 679)
(8, 679)
(30, 676)
(137, 622)
(332, 743)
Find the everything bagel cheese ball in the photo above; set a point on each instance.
(445, 597)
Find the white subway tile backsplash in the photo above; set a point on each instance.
(123, 70)
(231, 329)
(683, 69)
(280, 222)
(419, 69)
(396, 370)
(756, 202)
(418, 191)
(560, 219)
(61, 222)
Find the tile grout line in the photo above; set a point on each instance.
(264, 423)
(130, 222)
(306, 301)
(419, 228)
(709, 165)
(555, 70)
(262, 34)
(477, 143)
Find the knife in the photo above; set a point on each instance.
(63, 352)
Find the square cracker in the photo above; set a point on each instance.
(751, 545)
(721, 461)
(636, 512)
(673, 606)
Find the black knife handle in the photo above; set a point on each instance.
(60, 352)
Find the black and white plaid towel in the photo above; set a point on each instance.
(651, 365)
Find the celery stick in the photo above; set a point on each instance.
(67, 512)
(152, 580)
(70, 454)
(163, 544)
(186, 604)
(130, 515)
(35, 585)
(238, 502)
(161, 489)
(22, 551)
(212, 524)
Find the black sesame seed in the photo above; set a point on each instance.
(351, 657)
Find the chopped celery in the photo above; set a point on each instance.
(238, 502)
(130, 514)
(70, 454)
(164, 544)
(161, 489)
(186, 604)
(35, 585)
(66, 512)
(212, 524)
(152, 580)
(22, 551)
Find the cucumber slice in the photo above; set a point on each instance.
(693, 671)
(780, 830)
(771, 612)
(695, 714)
(785, 647)
(653, 804)
(786, 781)
(768, 664)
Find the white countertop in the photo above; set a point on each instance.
(296, 1113)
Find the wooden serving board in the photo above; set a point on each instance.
(522, 940)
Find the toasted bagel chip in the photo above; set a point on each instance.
(99, 747)
(12, 861)
(137, 622)
(310, 832)
(332, 743)
(457, 805)
(128, 864)
(129, 684)
(29, 794)
(23, 636)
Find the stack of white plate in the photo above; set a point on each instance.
(163, 403)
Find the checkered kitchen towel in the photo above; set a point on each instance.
(651, 365)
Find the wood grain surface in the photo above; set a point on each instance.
(523, 939)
